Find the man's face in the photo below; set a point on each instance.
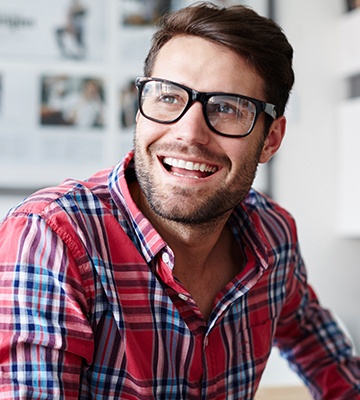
(167, 156)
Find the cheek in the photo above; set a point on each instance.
(244, 154)
(236, 150)
(148, 131)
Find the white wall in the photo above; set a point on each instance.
(306, 169)
(8, 201)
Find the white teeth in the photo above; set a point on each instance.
(194, 177)
(188, 165)
(181, 164)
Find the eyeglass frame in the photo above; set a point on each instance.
(203, 98)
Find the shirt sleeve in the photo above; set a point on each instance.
(310, 339)
(45, 336)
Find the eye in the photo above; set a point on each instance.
(168, 98)
(224, 108)
(172, 100)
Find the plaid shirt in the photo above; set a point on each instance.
(89, 307)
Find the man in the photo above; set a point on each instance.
(168, 277)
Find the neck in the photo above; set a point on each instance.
(207, 255)
(193, 245)
(195, 242)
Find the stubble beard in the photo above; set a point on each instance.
(187, 205)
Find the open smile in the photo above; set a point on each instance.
(188, 169)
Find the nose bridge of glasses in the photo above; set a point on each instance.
(193, 97)
(201, 97)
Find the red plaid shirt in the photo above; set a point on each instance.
(89, 307)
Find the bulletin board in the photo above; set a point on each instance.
(67, 95)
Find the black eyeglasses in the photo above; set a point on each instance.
(226, 114)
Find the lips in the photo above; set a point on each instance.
(190, 169)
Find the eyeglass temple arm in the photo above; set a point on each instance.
(271, 110)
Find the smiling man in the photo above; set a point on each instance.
(168, 276)
(191, 158)
(193, 171)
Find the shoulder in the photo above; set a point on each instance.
(271, 219)
(62, 212)
(47, 201)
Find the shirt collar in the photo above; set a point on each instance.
(149, 241)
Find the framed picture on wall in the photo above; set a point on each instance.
(72, 101)
(57, 30)
(144, 12)
(51, 123)
(128, 105)
(352, 4)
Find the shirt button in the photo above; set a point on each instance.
(183, 296)
(206, 341)
(166, 258)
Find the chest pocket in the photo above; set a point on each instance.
(255, 342)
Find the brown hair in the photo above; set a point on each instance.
(258, 39)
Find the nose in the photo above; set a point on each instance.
(192, 127)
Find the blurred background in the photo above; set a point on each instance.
(67, 107)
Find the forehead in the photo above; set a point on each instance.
(206, 66)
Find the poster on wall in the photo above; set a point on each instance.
(137, 19)
(56, 29)
(144, 12)
(51, 126)
(72, 101)
(128, 105)
(147, 12)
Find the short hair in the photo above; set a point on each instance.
(260, 40)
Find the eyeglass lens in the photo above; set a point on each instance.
(227, 114)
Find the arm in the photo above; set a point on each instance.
(45, 337)
(310, 339)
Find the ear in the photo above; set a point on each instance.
(273, 139)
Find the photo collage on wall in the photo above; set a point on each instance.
(57, 30)
(53, 91)
(67, 71)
